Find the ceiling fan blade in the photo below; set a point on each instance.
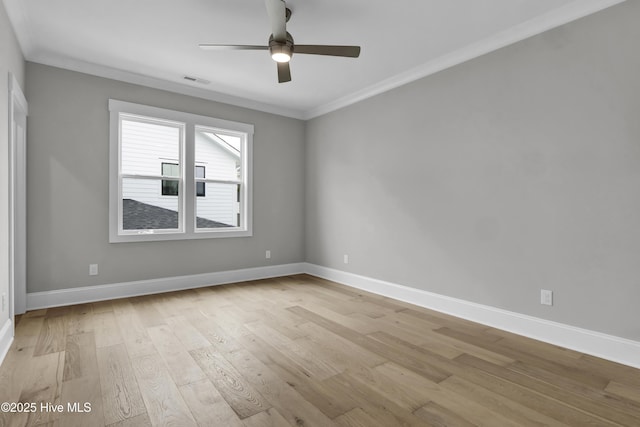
(208, 46)
(284, 72)
(277, 10)
(318, 49)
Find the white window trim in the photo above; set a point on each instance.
(190, 121)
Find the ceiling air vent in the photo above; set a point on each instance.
(196, 80)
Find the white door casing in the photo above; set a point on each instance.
(18, 111)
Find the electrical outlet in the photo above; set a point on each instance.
(546, 297)
(346, 259)
(267, 254)
(93, 269)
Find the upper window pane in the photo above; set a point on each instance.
(171, 169)
(145, 145)
(220, 152)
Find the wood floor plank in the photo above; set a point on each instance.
(288, 402)
(216, 336)
(357, 418)
(300, 355)
(27, 332)
(284, 322)
(270, 418)
(43, 386)
(386, 351)
(358, 325)
(536, 395)
(452, 322)
(182, 368)
(438, 416)
(583, 397)
(141, 420)
(631, 393)
(162, 398)
(521, 343)
(614, 371)
(550, 364)
(52, 336)
(146, 311)
(133, 332)
(435, 342)
(188, 335)
(208, 406)
(377, 405)
(121, 397)
(79, 319)
(322, 397)
(13, 373)
(496, 378)
(342, 353)
(506, 407)
(411, 391)
(80, 356)
(106, 328)
(35, 313)
(76, 394)
(129, 324)
(102, 306)
(243, 398)
(408, 396)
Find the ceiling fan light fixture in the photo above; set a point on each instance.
(281, 53)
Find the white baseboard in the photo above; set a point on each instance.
(6, 338)
(608, 347)
(37, 300)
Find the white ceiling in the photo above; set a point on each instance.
(155, 42)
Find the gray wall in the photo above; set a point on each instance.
(516, 171)
(68, 188)
(11, 60)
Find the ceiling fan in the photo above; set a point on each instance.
(281, 45)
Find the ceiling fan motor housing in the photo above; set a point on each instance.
(281, 47)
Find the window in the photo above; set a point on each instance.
(170, 187)
(200, 185)
(176, 175)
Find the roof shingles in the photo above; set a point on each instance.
(142, 216)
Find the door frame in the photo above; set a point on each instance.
(18, 112)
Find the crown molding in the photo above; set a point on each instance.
(571, 12)
(156, 83)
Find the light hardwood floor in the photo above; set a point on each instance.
(298, 351)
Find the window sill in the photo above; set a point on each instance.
(164, 236)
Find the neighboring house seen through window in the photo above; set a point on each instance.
(176, 175)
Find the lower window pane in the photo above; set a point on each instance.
(200, 189)
(220, 207)
(145, 208)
